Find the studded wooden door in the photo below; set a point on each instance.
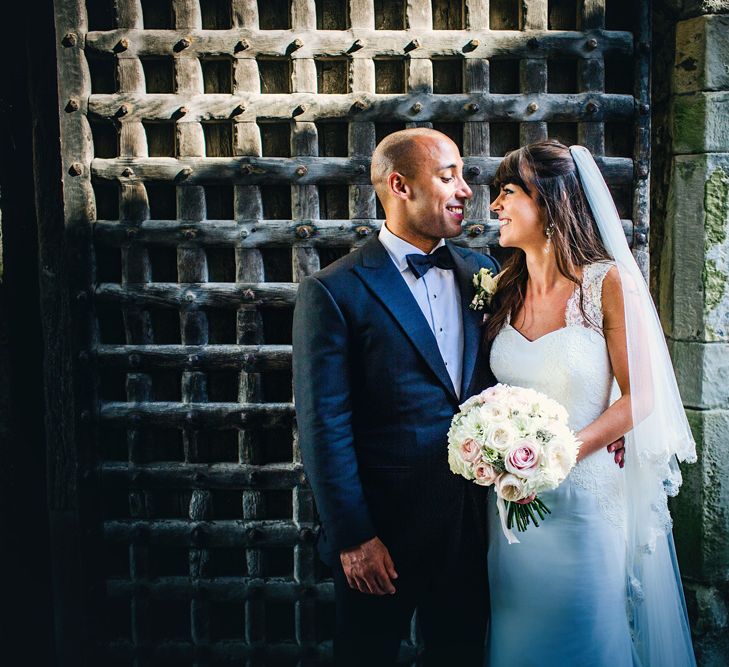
(214, 153)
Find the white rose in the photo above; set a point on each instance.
(559, 460)
(488, 282)
(500, 437)
(510, 487)
(493, 412)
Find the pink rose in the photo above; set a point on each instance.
(484, 474)
(470, 450)
(523, 459)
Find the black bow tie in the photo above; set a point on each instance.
(421, 264)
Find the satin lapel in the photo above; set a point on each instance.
(471, 318)
(384, 280)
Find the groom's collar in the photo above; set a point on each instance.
(399, 248)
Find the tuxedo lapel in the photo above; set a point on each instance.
(383, 279)
(471, 318)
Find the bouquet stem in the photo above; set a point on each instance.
(523, 515)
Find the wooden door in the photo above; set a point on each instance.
(214, 153)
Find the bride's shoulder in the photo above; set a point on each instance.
(600, 281)
(597, 276)
(596, 272)
(611, 293)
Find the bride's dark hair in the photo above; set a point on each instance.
(546, 168)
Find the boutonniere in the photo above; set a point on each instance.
(485, 283)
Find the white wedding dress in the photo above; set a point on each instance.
(559, 596)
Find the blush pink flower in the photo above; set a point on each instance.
(470, 450)
(484, 474)
(523, 459)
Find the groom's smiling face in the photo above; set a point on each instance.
(428, 193)
(438, 193)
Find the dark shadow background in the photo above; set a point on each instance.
(28, 108)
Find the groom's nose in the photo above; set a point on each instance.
(465, 190)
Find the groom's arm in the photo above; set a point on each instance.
(324, 415)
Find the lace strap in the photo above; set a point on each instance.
(593, 276)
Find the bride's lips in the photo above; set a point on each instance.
(503, 222)
(455, 211)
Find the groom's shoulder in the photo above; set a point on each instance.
(339, 272)
(478, 259)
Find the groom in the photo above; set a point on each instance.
(385, 349)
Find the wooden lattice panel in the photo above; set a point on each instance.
(216, 152)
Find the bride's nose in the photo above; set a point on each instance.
(495, 204)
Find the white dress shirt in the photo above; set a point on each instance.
(437, 295)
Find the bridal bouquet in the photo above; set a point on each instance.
(517, 440)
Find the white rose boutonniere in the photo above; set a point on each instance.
(485, 283)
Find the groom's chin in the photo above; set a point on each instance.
(452, 229)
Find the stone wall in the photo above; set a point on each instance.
(693, 284)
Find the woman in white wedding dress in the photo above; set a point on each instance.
(596, 584)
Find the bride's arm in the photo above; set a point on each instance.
(617, 419)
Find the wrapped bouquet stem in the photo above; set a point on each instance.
(518, 441)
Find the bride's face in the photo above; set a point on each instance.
(521, 220)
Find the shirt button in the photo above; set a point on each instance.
(441, 329)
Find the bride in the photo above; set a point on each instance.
(597, 583)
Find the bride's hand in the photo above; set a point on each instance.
(618, 449)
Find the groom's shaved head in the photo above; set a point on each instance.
(402, 152)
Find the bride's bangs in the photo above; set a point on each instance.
(511, 170)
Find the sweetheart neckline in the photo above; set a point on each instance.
(549, 333)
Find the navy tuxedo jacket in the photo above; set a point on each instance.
(374, 402)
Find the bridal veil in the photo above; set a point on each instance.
(660, 437)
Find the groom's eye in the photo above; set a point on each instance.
(446, 179)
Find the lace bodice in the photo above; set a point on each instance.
(572, 366)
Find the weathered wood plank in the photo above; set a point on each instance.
(375, 43)
(477, 232)
(216, 295)
(231, 476)
(250, 358)
(227, 533)
(224, 589)
(202, 415)
(390, 107)
(264, 171)
(642, 141)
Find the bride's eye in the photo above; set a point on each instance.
(446, 179)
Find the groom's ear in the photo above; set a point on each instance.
(398, 186)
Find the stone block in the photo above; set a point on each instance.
(702, 372)
(708, 609)
(694, 278)
(702, 54)
(699, 122)
(701, 510)
(694, 7)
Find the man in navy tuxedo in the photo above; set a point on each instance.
(385, 349)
